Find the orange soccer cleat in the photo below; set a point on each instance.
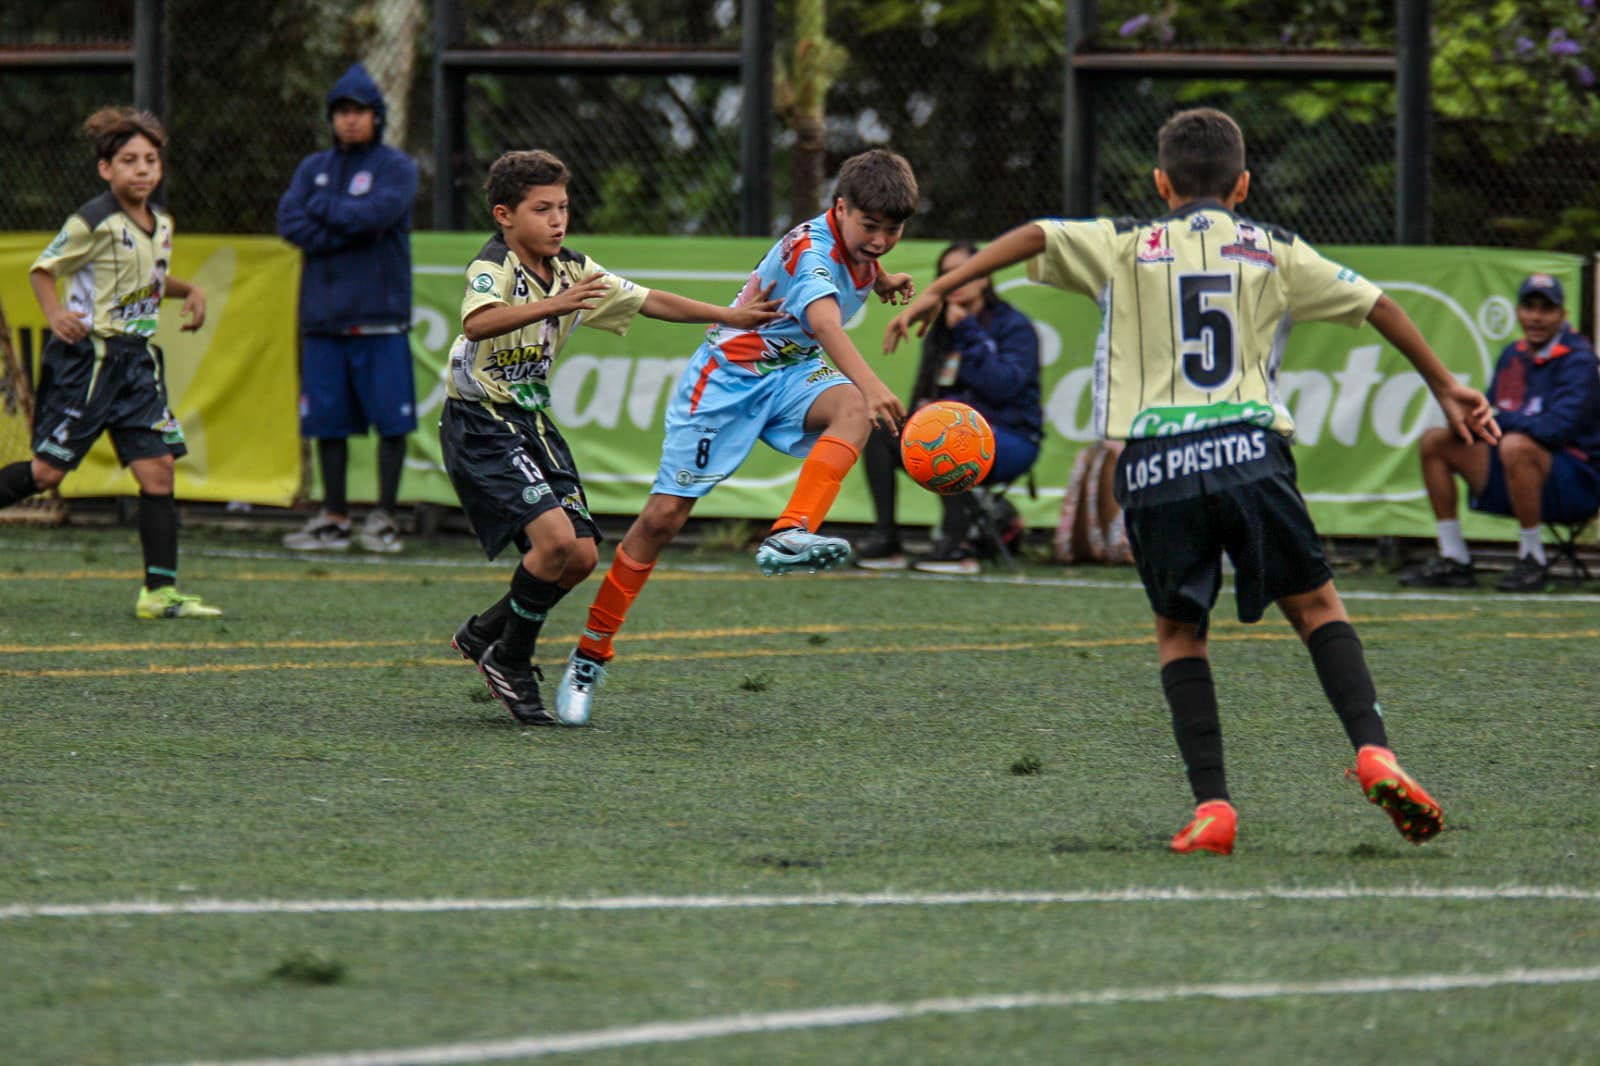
(1386, 784)
(1215, 823)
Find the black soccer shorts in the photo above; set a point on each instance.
(124, 393)
(1187, 500)
(509, 470)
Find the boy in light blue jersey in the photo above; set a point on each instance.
(771, 384)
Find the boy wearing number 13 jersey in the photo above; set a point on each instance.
(525, 294)
(1196, 307)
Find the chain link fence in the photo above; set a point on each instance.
(974, 101)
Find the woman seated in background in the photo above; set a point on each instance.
(983, 352)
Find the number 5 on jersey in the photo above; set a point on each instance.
(1209, 353)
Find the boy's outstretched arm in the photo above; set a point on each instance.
(1013, 246)
(1468, 410)
(883, 406)
(670, 307)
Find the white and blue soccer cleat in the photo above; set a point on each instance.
(575, 693)
(797, 548)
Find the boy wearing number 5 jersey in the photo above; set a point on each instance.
(1196, 310)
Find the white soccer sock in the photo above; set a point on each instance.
(1452, 545)
(1529, 543)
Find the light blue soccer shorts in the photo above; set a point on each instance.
(718, 412)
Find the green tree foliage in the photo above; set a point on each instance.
(1516, 116)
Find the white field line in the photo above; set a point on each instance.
(871, 1013)
(198, 907)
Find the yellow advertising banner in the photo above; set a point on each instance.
(233, 383)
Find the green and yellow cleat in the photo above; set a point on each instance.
(168, 602)
(1213, 828)
(1413, 811)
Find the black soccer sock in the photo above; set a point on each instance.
(492, 621)
(158, 537)
(16, 482)
(879, 461)
(1342, 668)
(530, 600)
(333, 458)
(1192, 697)
(391, 463)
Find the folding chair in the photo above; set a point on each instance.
(985, 512)
(1565, 549)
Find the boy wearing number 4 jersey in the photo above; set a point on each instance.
(1196, 308)
(525, 294)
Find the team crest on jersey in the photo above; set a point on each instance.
(1246, 250)
(1154, 248)
(361, 184)
(482, 283)
(55, 246)
(1199, 224)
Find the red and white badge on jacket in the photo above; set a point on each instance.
(361, 184)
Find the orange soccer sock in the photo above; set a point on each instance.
(617, 593)
(820, 477)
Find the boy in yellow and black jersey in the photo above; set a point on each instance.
(1196, 310)
(99, 372)
(525, 294)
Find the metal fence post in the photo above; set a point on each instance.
(1413, 105)
(150, 56)
(448, 31)
(755, 123)
(1077, 117)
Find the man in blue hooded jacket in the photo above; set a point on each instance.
(1546, 468)
(349, 210)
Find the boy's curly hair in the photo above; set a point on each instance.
(514, 173)
(879, 182)
(109, 128)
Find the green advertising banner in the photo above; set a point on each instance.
(1358, 406)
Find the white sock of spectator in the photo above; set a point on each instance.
(1452, 545)
(1529, 543)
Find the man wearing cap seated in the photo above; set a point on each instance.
(1546, 392)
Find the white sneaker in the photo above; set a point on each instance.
(797, 548)
(575, 693)
(379, 533)
(319, 534)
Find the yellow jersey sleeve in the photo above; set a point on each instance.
(70, 249)
(621, 303)
(1079, 255)
(489, 284)
(1320, 290)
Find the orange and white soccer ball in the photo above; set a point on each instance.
(947, 447)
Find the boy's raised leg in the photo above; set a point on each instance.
(791, 545)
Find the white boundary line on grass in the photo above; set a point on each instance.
(871, 1013)
(203, 907)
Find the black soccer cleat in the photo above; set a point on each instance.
(516, 687)
(468, 643)
(1440, 573)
